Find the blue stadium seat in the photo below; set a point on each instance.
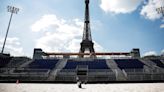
(158, 62)
(129, 63)
(43, 64)
(95, 64)
(4, 62)
(30, 71)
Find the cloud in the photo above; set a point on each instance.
(65, 37)
(150, 53)
(162, 26)
(12, 46)
(120, 6)
(149, 9)
(44, 23)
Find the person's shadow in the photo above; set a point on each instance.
(82, 88)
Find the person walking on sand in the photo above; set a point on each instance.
(79, 83)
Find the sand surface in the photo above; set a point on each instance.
(138, 87)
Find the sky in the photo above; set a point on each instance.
(57, 26)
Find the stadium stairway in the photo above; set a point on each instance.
(59, 66)
(152, 66)
(120, 76)
(16, 62)
(26, 64)
(149, 65)
(21, 65)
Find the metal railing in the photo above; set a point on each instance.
(92, 74)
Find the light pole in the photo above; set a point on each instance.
(12, 10)
(160, 10)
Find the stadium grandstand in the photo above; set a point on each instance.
(88, 67)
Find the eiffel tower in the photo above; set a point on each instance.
(87, 43)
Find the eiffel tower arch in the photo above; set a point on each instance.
(87, 44)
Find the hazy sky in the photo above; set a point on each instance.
(57, 25)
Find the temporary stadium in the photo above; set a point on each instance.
(86, 66)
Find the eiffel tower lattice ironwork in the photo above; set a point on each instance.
(87, 43)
